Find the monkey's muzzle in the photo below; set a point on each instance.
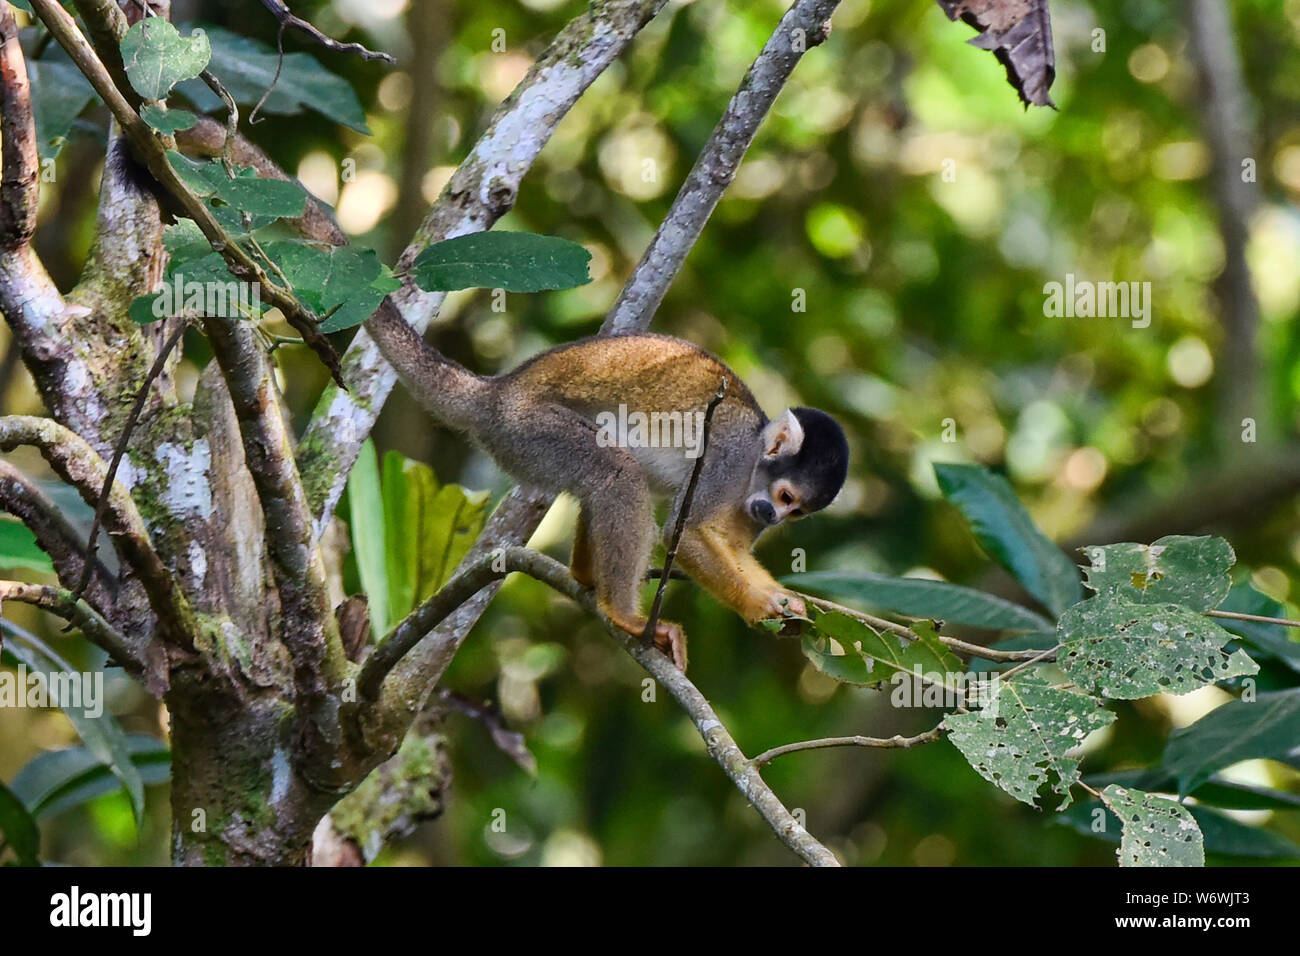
(761, 510)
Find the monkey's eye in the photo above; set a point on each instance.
(786, 498)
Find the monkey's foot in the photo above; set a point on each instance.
(671, 639)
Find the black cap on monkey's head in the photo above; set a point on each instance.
(821, 463)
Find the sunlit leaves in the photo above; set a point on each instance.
(342, 284)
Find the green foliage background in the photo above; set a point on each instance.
(924, 303)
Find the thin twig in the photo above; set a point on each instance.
(287, 18)
(898, 741)
(665, 574)
(78, 614)
(141, 396)
(902, 630)
(1237, 616)
(1042, 656)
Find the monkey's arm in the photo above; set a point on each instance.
(716, 554)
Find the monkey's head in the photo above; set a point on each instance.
(801, 466)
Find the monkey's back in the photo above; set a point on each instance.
(645, 372)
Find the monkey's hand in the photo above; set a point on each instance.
(786, 607)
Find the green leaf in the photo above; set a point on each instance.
(247, 192)
(1156, 831)
(247, 68)
(347, 283)
(168, 122)
(1266, 728)
(1177, 569)
(514, 261)
(1126, 651)
(918, 597)
(869, 657)
(18, 548)
(102, 734)
(59, 94)
(1266, 640)
(18, 827)
(1007, 532)
(366, 517)
(157, 57)
(58, 780)
(1022, 737)
(428, 529)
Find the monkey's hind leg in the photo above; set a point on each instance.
(553, 446)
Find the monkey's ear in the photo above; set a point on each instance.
(782, 436)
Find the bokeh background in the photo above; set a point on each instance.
(924, 302)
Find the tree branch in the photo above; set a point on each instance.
(805, 25)
(307, 627)
(20, 181)
(23, 498)
(1227, 122)
(78, 465)
(287, 19)
(717, 739)
(80, 614)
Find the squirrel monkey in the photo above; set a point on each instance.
(541, 422)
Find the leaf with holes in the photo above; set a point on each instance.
(514, 261)
(157, 57)
(869, 657)
(1021, 740)
(1156, 830)
(1178, 569)
(1126, 651)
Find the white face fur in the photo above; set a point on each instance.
(771, 502)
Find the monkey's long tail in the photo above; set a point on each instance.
(450, 392)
